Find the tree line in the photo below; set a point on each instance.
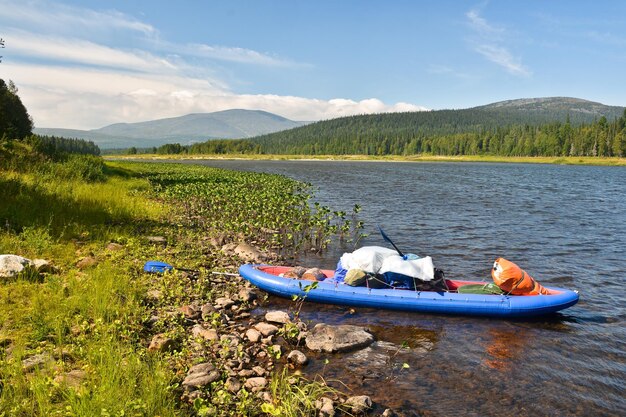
(383, 135)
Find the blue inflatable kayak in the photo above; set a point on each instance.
(329, 291)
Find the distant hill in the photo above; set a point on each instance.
(558, 108)
(198, 127)
(395, 132)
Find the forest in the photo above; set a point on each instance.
(475, 132)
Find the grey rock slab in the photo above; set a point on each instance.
(277, 316)
(342, 338)
(11, 265)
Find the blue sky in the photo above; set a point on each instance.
(86, 64)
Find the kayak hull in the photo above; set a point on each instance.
(329, 291)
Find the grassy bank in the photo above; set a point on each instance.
(74, 341)
(398, 158)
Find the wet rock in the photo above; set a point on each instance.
(255, 384)
(157, 240)
(232, 385)
(190, 312)
(266, 329)
(199, 331)
(223, 303)
(280, 317)
(162, 343)
(314, 274)
(327, 338)
(114, 247)
(297, 358)
(37, 361)
(325, 406)
(249, 253)
(86, 262)
(253, 335)
(72, 379)
(11, 265)
(44, 267)
(359, 404)
(201, 375)
(246, 295)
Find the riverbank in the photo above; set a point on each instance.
(570, 160)
(93, 334)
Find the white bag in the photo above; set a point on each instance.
(368, 258)
(421, 268)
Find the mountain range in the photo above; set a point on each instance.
(196, 127)
(238, 124)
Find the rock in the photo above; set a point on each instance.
(114, 247)
(223, 303)
(201, 375)
(37, 361)
(297, 358)
(253, 335)
(255, 384)
(190, 312)
(157, 240)
(314, 274)
(327, 338)
(258, 370)
(153, 296)
(233, 385)
(249, 253)
(325, 406)
(232, 340)
(359, 404)
(44, 267)
(72, 379)
(246, 373)
(277, 317)
(199, 331)
(206, 310)
(388, 413)
(246, 295)
(161, 343)
(266, 329)
(86, 262)
(11, 265)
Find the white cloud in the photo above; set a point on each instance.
(71, 76)
(490, 44)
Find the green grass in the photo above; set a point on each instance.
(92, 320)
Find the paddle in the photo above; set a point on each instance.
(158, 267)
(389, 240)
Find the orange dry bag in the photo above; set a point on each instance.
(514, 280)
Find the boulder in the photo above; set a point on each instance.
(297, 358)
(249, 253)
(325, 406)
(161, 343)
(359, 404)
(343, 338)
(280, 317)
(199, 331)
(253, 335)
(266, 329)
(11, 265)
(201, 375)
(255, 384)
(42, 266)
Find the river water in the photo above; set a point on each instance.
(566, 225)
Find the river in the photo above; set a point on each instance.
(566, 225)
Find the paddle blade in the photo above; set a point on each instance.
(384, 235)
(157, 267)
